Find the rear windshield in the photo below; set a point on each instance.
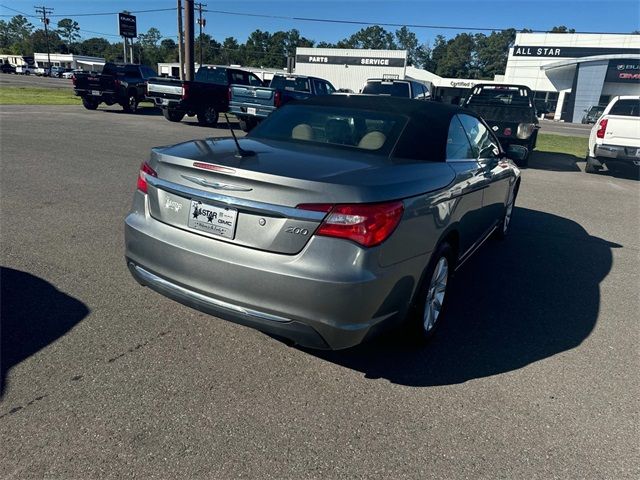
(298, 84)
(626, 108)
(500, 95)
(121, 70)
(375, 132)
(394, 89)
(212, 75)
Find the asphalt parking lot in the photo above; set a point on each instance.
(533, 377)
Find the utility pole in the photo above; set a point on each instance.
(202, 22)
(188, 38)
(44, 11)
(180, 41)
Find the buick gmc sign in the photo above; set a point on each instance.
(623, 71)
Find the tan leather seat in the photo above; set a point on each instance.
(302, 132)
(372, 141)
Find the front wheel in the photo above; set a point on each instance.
(208, 117)
(89, 103)
(429, 307)
(132, 104)
(172, 115)
(503, 228)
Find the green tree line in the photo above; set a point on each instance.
(464, 56)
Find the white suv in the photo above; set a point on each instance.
(615, 137)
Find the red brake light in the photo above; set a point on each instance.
(602, 128)
(116, 82)
(366, 224)
(229, 94)
(145, 170)
(73, 79)
(277, 99)
(185, 91)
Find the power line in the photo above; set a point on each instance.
(95, 14)
(382, 24)
(17, 11)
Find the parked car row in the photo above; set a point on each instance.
(509, 109)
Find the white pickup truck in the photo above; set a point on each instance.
(615, 137)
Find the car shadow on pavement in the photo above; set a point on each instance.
(33, 314)
(517, 301)
(554, 162)
(143, 111)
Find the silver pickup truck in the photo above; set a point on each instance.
(251, 104)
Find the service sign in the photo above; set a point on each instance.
(623, 71)
(127, 25)
(344, 60)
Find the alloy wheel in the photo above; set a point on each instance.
(435, 294)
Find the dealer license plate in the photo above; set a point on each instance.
(95, 93)
(251, 110)
(213, 220)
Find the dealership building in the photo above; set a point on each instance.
(69, 60)
(568, 71)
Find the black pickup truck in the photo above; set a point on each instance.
(510, 112)
(122, 83)
(206, 96)
(250, 104)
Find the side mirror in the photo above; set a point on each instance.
(517, 153)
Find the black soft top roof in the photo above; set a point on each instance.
(425, 135)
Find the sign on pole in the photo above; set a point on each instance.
(127, 25)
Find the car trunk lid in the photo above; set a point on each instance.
(205, 187)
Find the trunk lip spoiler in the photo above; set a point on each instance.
(234, 202)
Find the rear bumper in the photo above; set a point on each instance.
(242, 110)
(618, 154)
(108, 96)
(275, 325)
(333, 294)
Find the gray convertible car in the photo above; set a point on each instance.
(334, 219)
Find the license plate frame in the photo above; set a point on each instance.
(251, 110)
(212, 220)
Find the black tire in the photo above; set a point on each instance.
(132, 103)
(590, 166)
(421, 328)
(172, 115)
(505, 224)
(89, 103)
(208, 117)
(247, 124)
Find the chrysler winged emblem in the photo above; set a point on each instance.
(217, 185)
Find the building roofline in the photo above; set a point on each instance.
(594, 58)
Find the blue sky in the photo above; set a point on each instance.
(621, 16)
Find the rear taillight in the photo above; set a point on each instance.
(73, 79)
(366, 224)
(602, 128)
(185, 91)
(116, 82)
(229, 94)
(145, 170)
(277, 99)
